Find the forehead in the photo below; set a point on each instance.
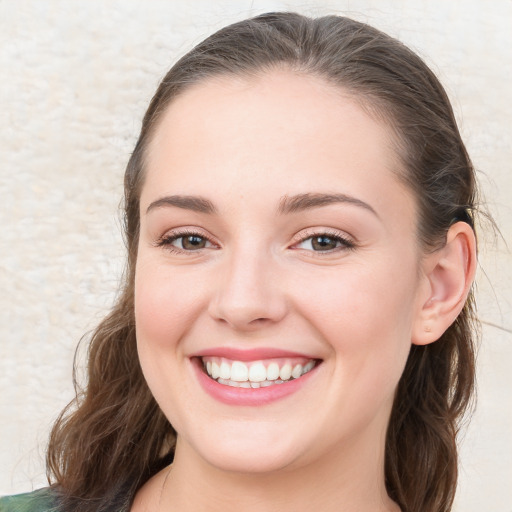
(302, 106)
(279, 131)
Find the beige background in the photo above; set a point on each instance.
(75, 78)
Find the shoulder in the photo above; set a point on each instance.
(42, 500)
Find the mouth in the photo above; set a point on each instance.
(256, 374)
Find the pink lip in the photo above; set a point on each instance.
(248, 396)
(253, 354)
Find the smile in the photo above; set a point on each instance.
(256, 374)
(253, 377)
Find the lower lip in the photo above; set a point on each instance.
(248, 396)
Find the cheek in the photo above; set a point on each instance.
(166, 302)
(366, 316)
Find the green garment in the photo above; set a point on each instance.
(47, 500)
(42, 500)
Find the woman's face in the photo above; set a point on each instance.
(276, 242)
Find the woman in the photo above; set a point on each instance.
(296, 328)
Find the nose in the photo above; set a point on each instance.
(248, 295)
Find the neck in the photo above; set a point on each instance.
(350, 478)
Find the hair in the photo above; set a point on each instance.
(113, 437)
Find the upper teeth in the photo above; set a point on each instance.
(256, 371)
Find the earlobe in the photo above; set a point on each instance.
(448, 275)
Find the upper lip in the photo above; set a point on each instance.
(251, 354)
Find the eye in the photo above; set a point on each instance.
(190, 242)
(185, 241)
(324, 242)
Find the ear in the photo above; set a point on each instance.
(447, 277)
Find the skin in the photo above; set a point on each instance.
(245, 145)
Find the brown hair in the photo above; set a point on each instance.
(114, 437)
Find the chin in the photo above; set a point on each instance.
(253, 462)
(258, 452)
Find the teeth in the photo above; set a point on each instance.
(273, 371)
(297, 371)
(225, 370)
(308, 367)
(215, 370)
(256, 374)
(284, 373)
(239, 372)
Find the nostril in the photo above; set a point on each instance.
(247, 307)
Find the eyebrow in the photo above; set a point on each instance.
(300, 202)
(287, 204)
(194, 203)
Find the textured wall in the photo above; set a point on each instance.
(75, 78)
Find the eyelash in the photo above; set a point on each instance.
(166, 241)
(346, 243)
